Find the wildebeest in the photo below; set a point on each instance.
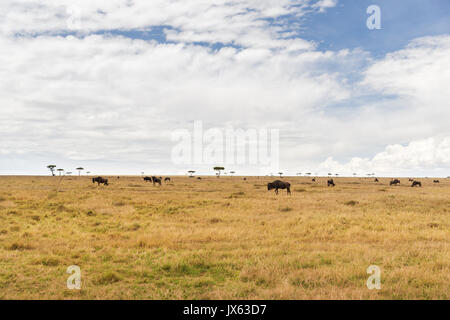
(199, 178)
(416, 184)
(435, 181)
(148, 179)
(330, 182)
(277, 184)
(313, 180)
(100, 180)
(156, 180)
(167, 179)
(394, 182)
(376, 180)
(245, 179)
(411, 180)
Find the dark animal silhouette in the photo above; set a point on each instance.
(277, 184)
(330, 182)
(100, 180)
(411, 180)
(156, 180)
(376, 180)
(148, 179)
(245, 179)
(314, 180)
(394, 182)
(167, 179)
(416, 184)
(198, 178)
(435, 181)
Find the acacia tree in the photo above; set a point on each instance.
(280, 173)
(52, 167)
(60, 171)
(218, 169)
(79, 170)
(191, 173)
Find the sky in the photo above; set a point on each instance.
(124, 86)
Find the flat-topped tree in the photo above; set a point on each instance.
(60, 171)
(52, 167)
(218, 169)
(79, 170)
(191, 173)
(281, 174)
(232, 172)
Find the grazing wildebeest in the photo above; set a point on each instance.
(435, 181)
(376, 180)
(156, 180)
(277, 184)
(100, 180)
(198, 178)
(416, 184)
(245, 179)
(148, 179)
(314, 180)
(331, 183)
(167, 179)
(394, 182)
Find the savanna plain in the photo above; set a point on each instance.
(223, 238)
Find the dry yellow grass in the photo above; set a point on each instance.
(223, 239)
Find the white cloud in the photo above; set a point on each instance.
(322, 5)
(244, 23)
(115, 100)
(103, 97)
(408, 100)
(420, 72)
(418, 157)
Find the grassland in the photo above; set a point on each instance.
(223, 239)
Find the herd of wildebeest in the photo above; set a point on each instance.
(276, 185)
